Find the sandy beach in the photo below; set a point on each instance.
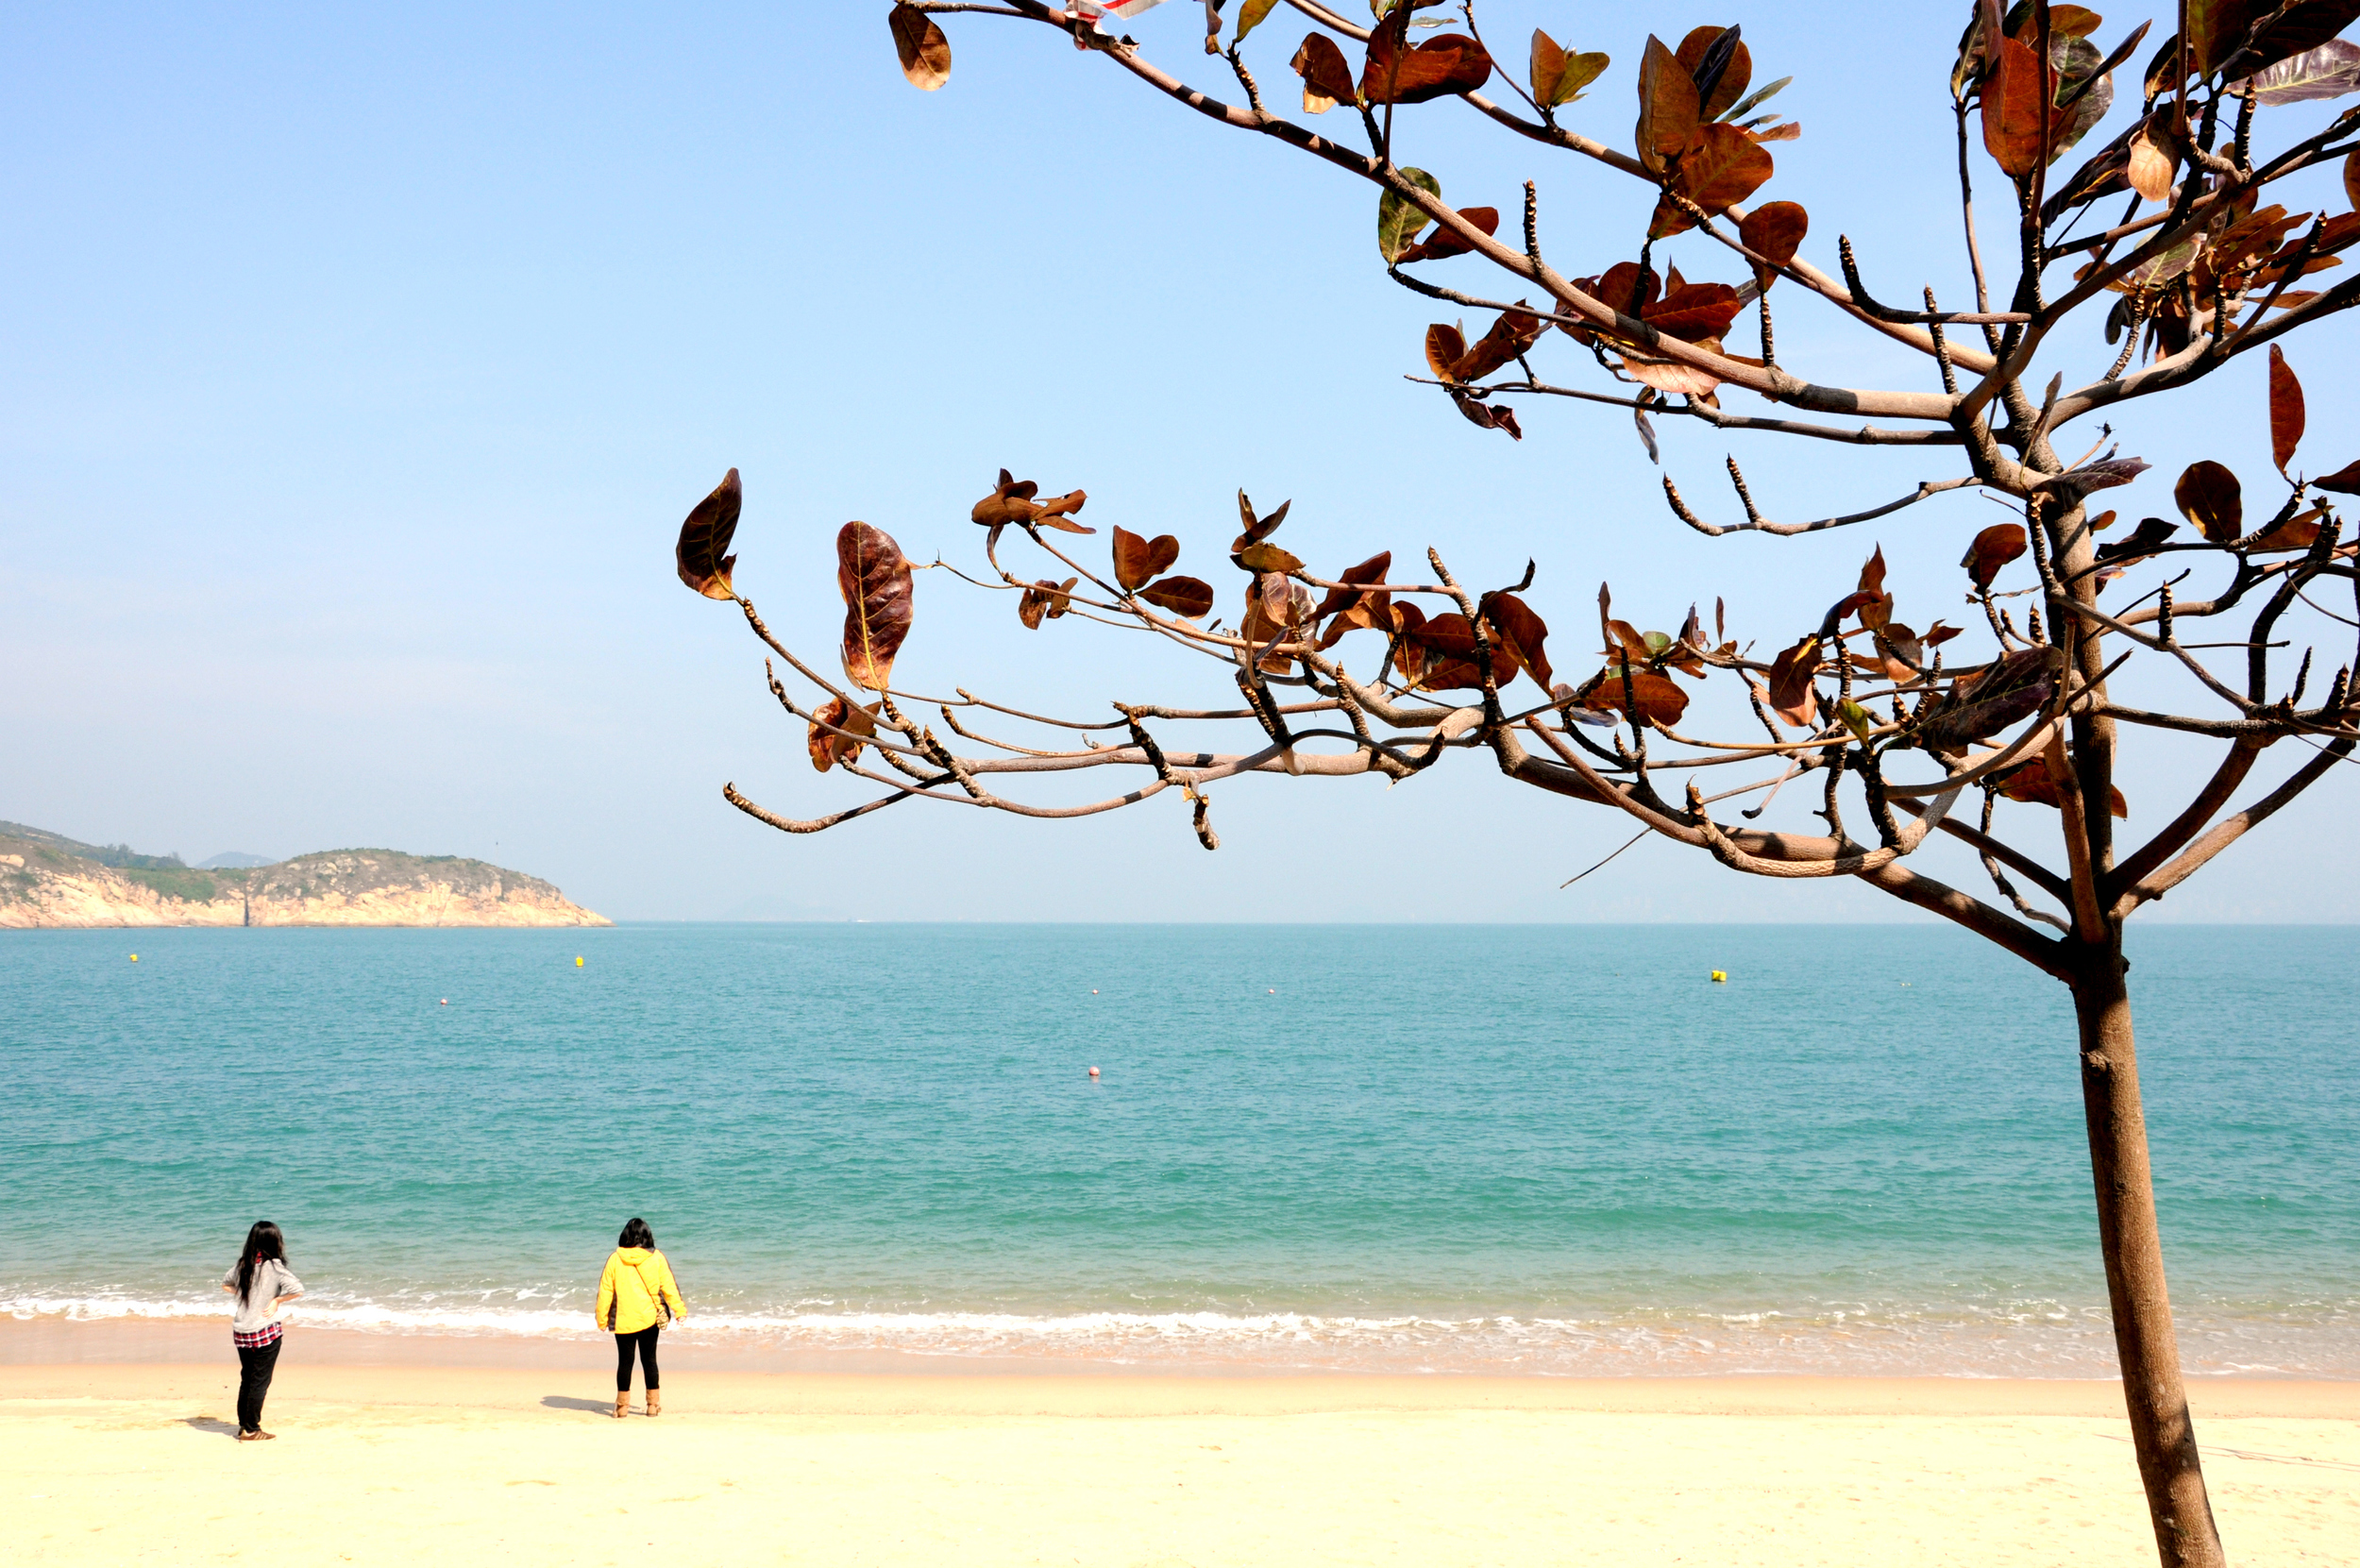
(405, 1450)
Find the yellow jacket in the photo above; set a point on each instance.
(634, 1279)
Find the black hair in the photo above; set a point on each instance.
(264, 1243)
(636, 1234)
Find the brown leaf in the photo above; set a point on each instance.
(1511, 335)
(1045, 598)
(1992, 549)
(1693, 312)
(1326, 76)
(2014, 115)
(1668, 110)
(1451, 660)
(1791, 692)
(1009, 503)
(2150, 163)
(874, 579)
(2208, 495)
(1440, 67)
(2032, 785)
(2296, 533)
(827, 749)
(1256, 528)
(2345, 480)
(1056, 510)
(925, 53)
(2351, 180)
(1737, 73)
(2285, 410)
(1662, 700)
(1444, 347)
(1354, 610)
(1522, 631)
(1183, 595)
(2140, 545)
(1720, 167)
(1267, 558)
(1774, 230)
(1445, 241)
(1489, 416)
(1137, 559)
(1558, 75)
(704, 535)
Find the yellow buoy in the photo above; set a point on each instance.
(135, 958)
(577, 960)
(1720, 977)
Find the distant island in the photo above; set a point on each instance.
(49, 880)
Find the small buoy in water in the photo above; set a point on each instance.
(445, 1002)
(1093, 1072)
(1274, 990)
(1720, 977)
(1093, 990)
(577, 960)
(135, 958)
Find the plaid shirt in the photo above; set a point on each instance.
(267, 1335)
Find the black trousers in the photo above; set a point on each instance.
(644, 1342)
(254, 1369)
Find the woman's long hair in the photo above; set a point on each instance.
(636, 1234)
(264, 1243)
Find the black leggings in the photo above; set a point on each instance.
(644, 1341)
(254, 1368)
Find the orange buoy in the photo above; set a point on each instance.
(1093, 1072)
(445, 1002)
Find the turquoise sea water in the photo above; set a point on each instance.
(1543, 1148)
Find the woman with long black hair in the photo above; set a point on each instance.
(263, 1285)
(635, 1296)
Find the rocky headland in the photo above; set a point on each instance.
(46, 880)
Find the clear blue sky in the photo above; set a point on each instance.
(359, 365)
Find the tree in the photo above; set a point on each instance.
(2193, 273)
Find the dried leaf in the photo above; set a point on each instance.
(1441, 67)
(1489, 417)
(2016, 116)
(1557, 74)
(1693, 312)
(1662, 700)
(1720, 66)
(1721, 166)
(1267, 558)
(1668, 108)
(1256, 528)
(2032, 785)
(827, 749)
(1992, 549)
(704, 536)
(1790, 692)
(1444, 347)
(2285, 410)
(1451, 660)
(874, 579)
(2345, 480)
(1447, 241)
(2150, 164)
(1357, 610)
(1398, 219)
(925, 53)
(1774, 230)
(1522, 631)
(2351, 180)
(2208, 495)
(1137, 559)
(1514, 332)
(1045, 598)
(1326, 76)
(2014, 688)
(2140, 545)
(2296, 533)
(1181, 596)
(1010, 502)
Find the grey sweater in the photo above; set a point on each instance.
(272, 1279)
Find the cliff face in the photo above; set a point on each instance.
(42, 883)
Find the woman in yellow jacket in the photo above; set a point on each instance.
(635, 1297)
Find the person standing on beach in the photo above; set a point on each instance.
(263, 1285)
(636, 1297)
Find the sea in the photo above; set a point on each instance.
(1542, 1150)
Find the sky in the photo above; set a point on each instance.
(359, 366)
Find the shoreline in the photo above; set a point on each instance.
(51, 1360)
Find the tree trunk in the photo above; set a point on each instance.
(2161, 1429)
